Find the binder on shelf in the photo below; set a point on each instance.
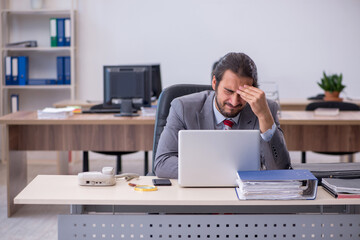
(14, 103)
(60, 32)
(60, 69)
(23, 70)
(8, 70)
(67, 70)
(53, 32)
(41, 81)
(14, 71)
(67, 31)
(276, 185)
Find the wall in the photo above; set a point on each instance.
(292, 42)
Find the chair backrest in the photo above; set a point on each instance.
(342, 106)
(163, 107)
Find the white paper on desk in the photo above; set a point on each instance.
(58, 110)
(55, 113)
(148, 111)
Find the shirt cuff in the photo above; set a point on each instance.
(266, 136)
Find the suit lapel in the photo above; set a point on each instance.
(247, 119)
(205, 117)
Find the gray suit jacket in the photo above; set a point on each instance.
(195, 111)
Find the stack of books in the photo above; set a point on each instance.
(342, 188)
(276, 185)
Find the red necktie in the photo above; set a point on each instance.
(228, 124)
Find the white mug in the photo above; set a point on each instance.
(36, 4)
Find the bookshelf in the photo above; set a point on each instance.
(19, 22)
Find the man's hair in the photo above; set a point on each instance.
(239, 63)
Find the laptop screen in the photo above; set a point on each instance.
(211, 158)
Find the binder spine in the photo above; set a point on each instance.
(23, 68)
(8, 70)
(14, 103)
(60, 32)
(60, 70)
(67, 70)
(53, 32)
(15, 72)
(67, 31)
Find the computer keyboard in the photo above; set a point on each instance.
(101, 108)
(104, 110)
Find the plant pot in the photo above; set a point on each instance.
(332, 96)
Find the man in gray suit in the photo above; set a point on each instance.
(237, 98)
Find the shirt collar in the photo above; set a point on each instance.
(219, 117)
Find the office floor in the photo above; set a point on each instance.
(40, 221)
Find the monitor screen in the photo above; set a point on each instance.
(127, 82)
(156, 81)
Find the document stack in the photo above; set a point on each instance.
(276, 185)
(55, 113)
(342, 188)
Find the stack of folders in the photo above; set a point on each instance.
(276, 185)
(55, 113)
(60, 32)
(342, 188)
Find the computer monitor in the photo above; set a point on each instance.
(156, 81)
(127, 82)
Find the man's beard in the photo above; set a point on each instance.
(227, 114)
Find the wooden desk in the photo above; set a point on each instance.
(24, 132)
(306, 132)
(330, 218)
(289, 104)
(98, 132)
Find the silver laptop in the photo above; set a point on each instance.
(211, 158)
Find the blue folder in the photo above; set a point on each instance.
(23, 68)
(41, 81)
(67, 70)
(276, 175)
(60, 32)
(276, 184)
(60, 69)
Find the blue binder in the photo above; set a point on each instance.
(23, 67)
(67, 31)
(8, 71)
(42, 81)
(67, 70)
(270, 184)
(60, 70)
(60, 32)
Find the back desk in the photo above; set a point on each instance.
(120, 212)
(104, 132)
(98, 132)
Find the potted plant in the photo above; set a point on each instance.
(332, 85)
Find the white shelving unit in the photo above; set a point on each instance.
(21, 23)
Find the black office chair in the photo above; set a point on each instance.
(118, 160)
(163, 107)
(342, 106)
